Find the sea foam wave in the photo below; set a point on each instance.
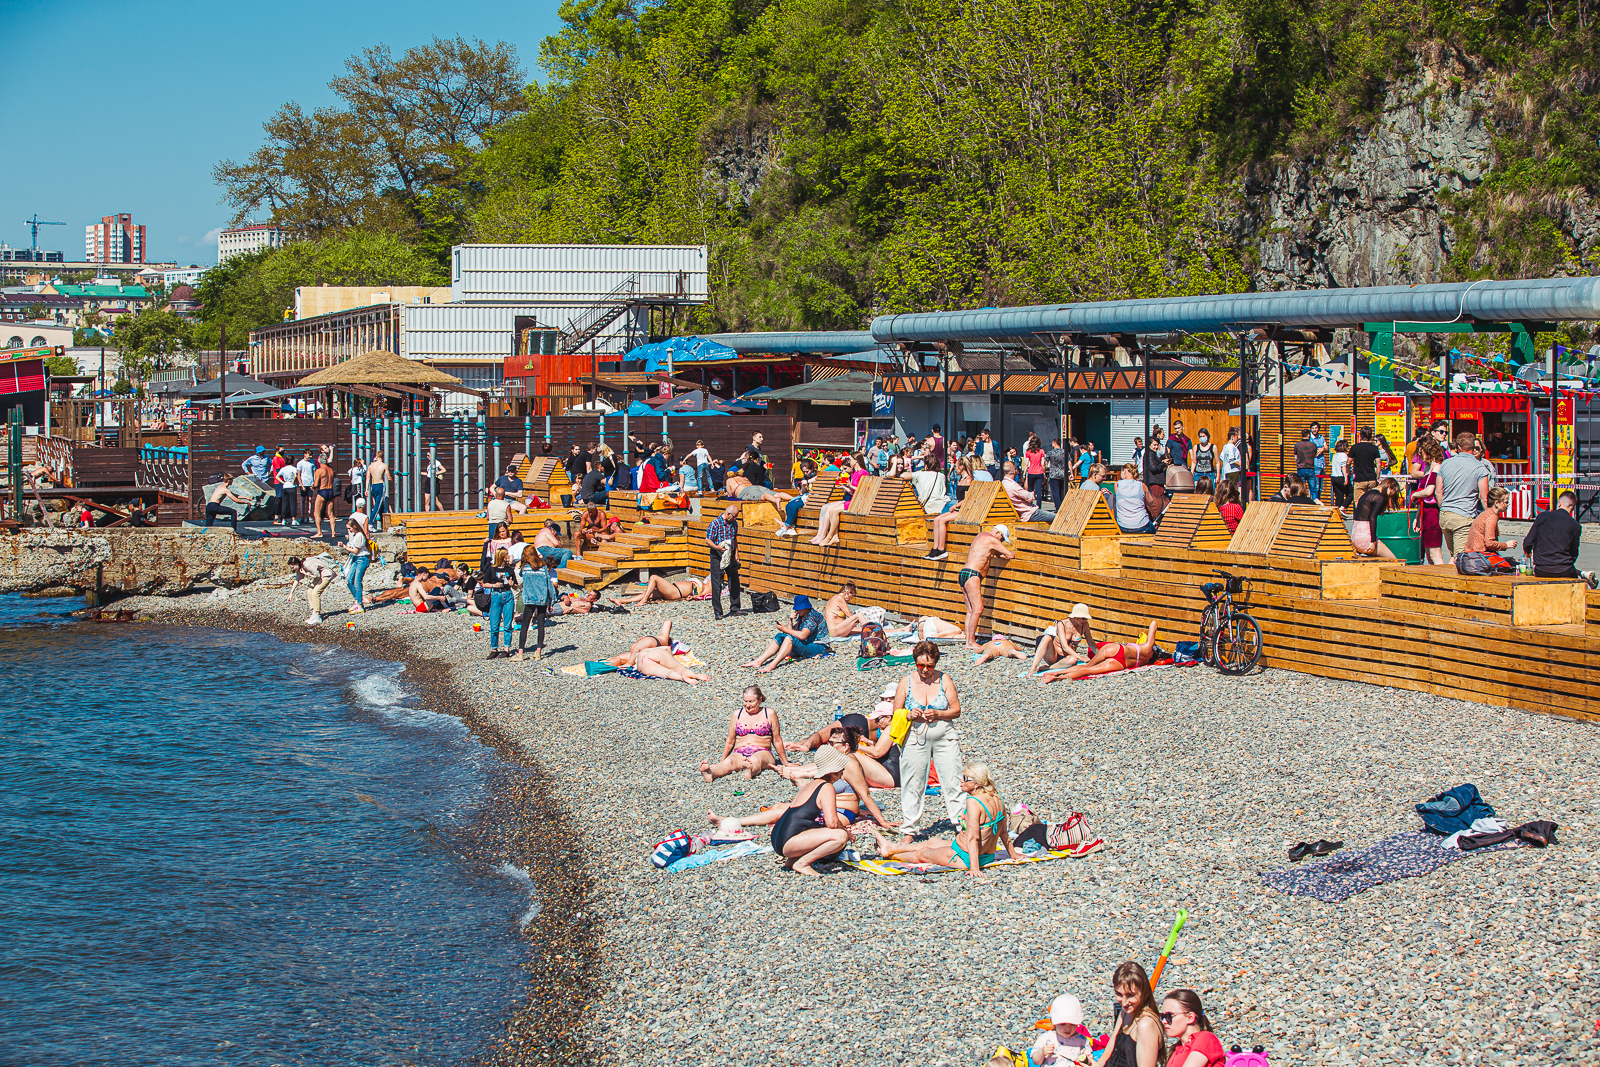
(511, 872)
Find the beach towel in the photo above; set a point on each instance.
(891, 868)
(1344, 874)
(868, 663)
(717, 855)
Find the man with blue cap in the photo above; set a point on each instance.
(259, 466)
(802, 640)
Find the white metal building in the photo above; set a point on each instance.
(579, 274)
(238, 240)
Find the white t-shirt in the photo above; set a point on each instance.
(358, 476)
(1230, 459)
(700, 456)
(1338, 465)
(498, 510)
(288, 476)
(357, 544)
(308, 471)
(359, 516)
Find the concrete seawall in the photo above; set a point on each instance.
(161, 562)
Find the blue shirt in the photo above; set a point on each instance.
(258, 467)
(1321, 461)
(1085, 461)
(812, 624)
(687, 475)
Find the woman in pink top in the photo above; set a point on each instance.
(1034, 457)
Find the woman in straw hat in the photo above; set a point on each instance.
(983, 826)
(1066, 642)
(796, 835)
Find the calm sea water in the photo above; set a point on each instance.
(223, 848)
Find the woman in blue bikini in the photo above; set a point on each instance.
(982, 827)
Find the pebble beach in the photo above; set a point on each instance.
(1198, 782)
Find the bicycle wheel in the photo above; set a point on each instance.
(1208, 627)
(1236, 648)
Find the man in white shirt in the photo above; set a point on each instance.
(1229, 460)
(307, 474)
(498, 509)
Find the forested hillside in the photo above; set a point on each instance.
(848, 157)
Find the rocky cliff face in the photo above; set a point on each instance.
(739, 162)
(1373, 217)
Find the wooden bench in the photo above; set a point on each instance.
(986, 504)
(1191, 520)
(1091, 538)
(885, 511)
(825, 489)
(1512, 598)
(1304, 531)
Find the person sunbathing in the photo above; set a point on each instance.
(659, 588)
(983, 825)
(854, 789)
(880, 759)
(999, 648)
(836, 612)
(795, 833)
(663, 639)
(738, 487)
(1112, 656)
(661, 663)
(1066, 642)
(424, 591)
(930, 628)
(755, 740)
(595, 528)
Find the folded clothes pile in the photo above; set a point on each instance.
(1470, 822)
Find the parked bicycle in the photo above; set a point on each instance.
(1230, 640)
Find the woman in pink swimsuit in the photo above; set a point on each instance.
(755, 742)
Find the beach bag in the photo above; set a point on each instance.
(1480, 564)
(764, 603)
(1019, 818)
(874, 643)
(1074, 831)
(675, 846)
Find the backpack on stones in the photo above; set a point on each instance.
(874, 643)
(674, 846)
(1074, 831)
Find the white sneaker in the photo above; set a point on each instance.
(788, 531)
(314, 620)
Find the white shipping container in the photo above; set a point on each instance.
(579, 274)
(487, 331)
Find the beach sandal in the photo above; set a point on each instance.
(1085, 848)
(1538, 834)
(1300, 851)
(1322, 848)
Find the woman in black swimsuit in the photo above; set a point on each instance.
(810, 828)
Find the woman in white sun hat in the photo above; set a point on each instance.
(1066, 642)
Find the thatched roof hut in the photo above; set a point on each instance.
(379, 368)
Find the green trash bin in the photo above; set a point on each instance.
(1394, 530)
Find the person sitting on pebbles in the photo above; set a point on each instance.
(801, 640)
(1111, 657)
(755, 740)
(853, 790)
(878, 755)
(1067, 1042)
(841, 620)
(796, 835)
(983, 825)
(1067, 642)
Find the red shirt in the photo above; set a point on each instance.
(1035, 462)
(278, 463)
(1205, 1043)
(1231, 514)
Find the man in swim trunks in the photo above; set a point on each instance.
(985, 547)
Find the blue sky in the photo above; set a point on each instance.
(139, 100)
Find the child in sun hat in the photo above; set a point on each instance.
(1067, 1041)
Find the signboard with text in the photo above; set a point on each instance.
(1390, 417)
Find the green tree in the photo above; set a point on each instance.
(251, 291)
(151, 341)
(393, 155)
(35, 312)
(61, 366)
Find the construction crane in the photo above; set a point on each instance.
(36, 222)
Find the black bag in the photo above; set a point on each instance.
(764, 603)
(1480, 564)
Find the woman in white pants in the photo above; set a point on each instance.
(930, 702)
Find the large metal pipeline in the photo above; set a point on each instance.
(1535, 300)
(798, 342)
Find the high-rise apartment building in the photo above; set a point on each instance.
(114, 239)
(241, 239)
